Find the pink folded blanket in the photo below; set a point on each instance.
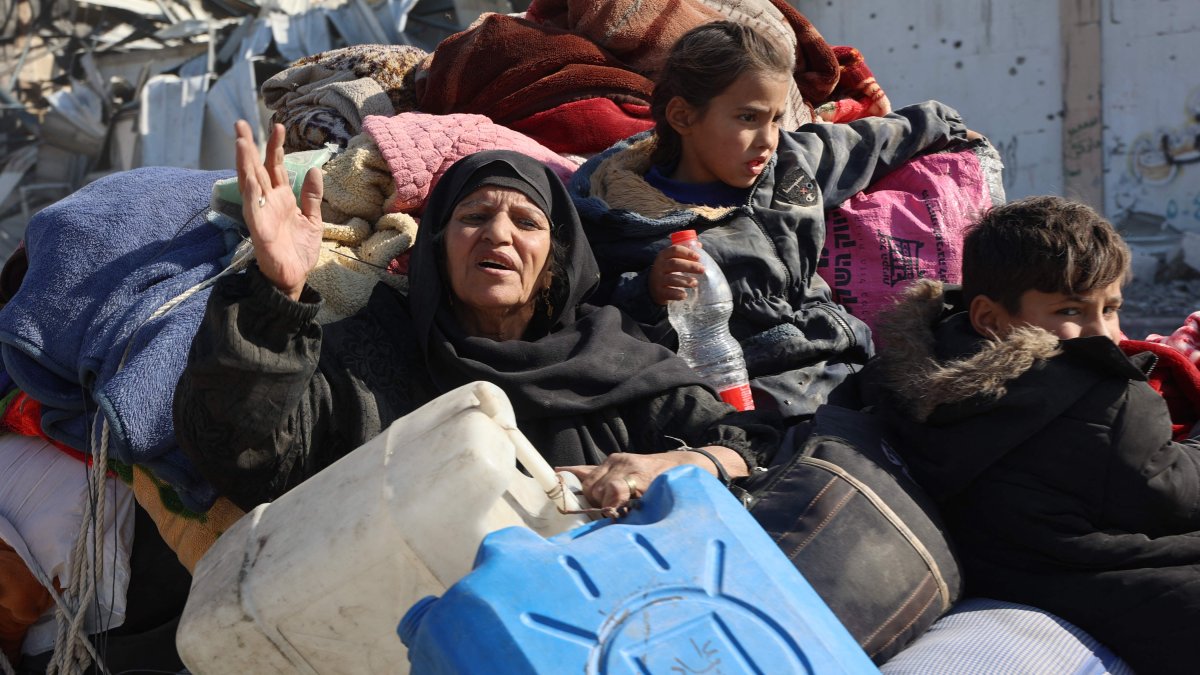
(418, 148)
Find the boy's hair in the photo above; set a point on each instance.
(701, 65)
(1047, 244)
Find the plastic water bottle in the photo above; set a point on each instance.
(702, 322)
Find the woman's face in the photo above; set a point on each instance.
(497, 245)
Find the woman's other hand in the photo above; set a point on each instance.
(673, 273)
(624, 476)
(287, 238)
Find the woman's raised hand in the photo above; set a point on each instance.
(287, 238)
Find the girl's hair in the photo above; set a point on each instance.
(701, 65)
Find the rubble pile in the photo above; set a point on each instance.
(89, 87)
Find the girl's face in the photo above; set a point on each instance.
(731, 139)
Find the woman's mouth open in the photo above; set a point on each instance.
(496, 264)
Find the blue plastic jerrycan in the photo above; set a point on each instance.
(686, 584)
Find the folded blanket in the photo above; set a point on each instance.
(585, 127)
(817, 70)
(509, 68)
(1176, 378)
(100, 263)
(641, 33)
(418, 149)
(1185, 339)
(349, 267)
(857, 95)
(360, 241)
(22, 415)
(323, 98)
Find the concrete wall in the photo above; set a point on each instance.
(1076, 94)
(1151, 53)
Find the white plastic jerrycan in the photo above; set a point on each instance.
(317, 581)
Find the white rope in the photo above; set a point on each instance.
(73, 651)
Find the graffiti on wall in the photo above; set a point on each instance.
(1008, 156)
(1163, 172)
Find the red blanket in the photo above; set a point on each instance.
(1177, 379)
(639, 32)
(817, 68)
(585, 127)
(509, 69)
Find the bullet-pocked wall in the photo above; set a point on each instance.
(1093, 99)
(996, 62)
(1151, 52)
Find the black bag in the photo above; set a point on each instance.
(841, 505)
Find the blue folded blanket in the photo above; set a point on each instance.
(101, 262)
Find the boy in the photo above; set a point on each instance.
(1050, 455)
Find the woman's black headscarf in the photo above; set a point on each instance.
(576, 362)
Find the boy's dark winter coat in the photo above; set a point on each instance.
(1055, 466)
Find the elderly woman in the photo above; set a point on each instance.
(498, 274)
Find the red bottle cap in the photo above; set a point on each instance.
(739, 397)
(683, 236)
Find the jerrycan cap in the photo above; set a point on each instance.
(683, 236)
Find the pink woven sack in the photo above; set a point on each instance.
(908, 225)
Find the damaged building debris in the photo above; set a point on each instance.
(89, 87)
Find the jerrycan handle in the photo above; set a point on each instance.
(536, 465)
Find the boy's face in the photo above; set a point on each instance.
(1069, 316)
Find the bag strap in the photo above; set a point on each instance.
(892, 517)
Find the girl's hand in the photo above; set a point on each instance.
(287, 238)
(673, 272)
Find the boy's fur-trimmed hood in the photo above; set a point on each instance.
(921, 380)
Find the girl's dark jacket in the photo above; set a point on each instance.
(1054, 463)
(799, 344)
(269, 396)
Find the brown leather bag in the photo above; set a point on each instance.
(842, 506)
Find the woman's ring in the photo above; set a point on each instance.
(633, 487)
(262, 201)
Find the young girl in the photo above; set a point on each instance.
(718, 162)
